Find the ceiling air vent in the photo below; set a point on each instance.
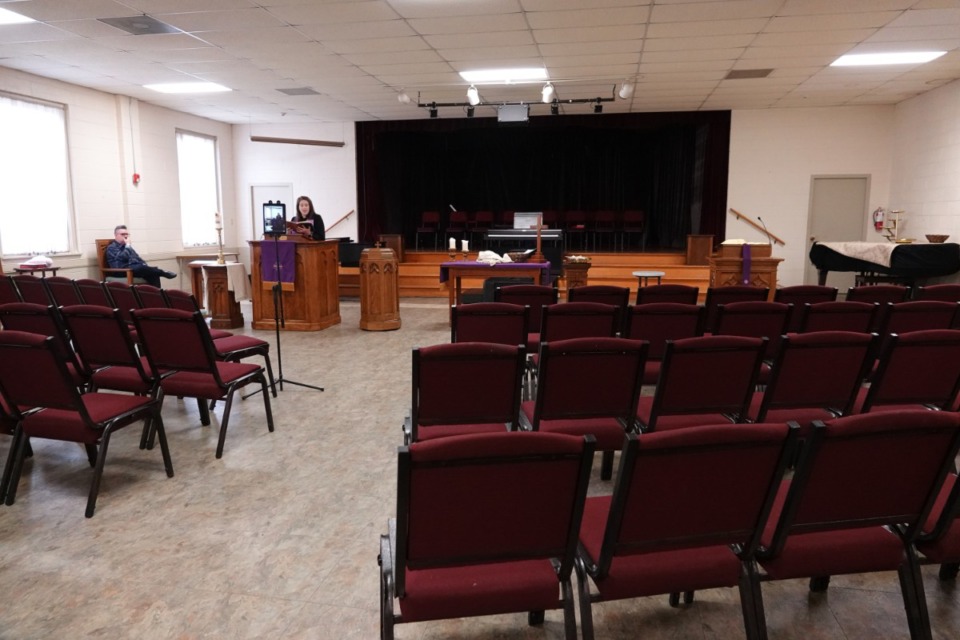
(747, 74)
(140, 25)
(299, 91)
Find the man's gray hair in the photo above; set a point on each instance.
(118, 227)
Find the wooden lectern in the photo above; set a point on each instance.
(314, 303)
(726, 267)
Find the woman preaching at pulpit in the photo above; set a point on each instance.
(309, 221)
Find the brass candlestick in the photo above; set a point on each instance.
(220, 258)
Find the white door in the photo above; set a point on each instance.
(838, 208)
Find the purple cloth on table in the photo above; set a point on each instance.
(268, 261)
(506, 266)
(745, 278)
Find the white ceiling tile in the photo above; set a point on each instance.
(590, 34)
(357, 30)
(588, 17)
(826, 22)
(469, 24)
(411, 9)
(727, 10)
(334, 12)
(477, 40)
(706, 28)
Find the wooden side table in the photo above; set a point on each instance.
(34, 270)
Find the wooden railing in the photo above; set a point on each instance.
(342, 218)
(761, 229)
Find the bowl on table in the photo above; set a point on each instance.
(937, 238)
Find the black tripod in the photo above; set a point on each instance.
(279, 322)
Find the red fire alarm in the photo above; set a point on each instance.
(136, 178)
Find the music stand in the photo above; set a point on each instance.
(275, 225)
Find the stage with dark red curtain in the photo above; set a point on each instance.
(673, 166)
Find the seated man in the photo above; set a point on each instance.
(120, 255)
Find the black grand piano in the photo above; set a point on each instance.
(908, 263)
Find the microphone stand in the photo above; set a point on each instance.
(278, 322)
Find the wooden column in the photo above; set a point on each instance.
(379, 291)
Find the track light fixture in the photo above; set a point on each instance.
(626, 90)
(473, 96)
(547, 93)
(403, 97)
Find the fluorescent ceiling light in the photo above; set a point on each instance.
(896, 57)
(505, 76)
(188, 87)
(11, 17)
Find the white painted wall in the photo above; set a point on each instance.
(108, 135)
(926, 163)
(775, 152)
(327, 175)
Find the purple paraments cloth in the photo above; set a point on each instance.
(268, 261)
(506, 266)
(745, 277)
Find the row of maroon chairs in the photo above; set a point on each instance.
(592, 385)
(705, 507)
(51, 384)
(59, 291)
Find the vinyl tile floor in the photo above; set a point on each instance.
(279, 538)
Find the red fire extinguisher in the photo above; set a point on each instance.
(878, 216)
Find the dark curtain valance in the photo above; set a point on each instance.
(673, 166)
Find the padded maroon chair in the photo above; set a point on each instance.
(879, 294)
(457, 225)
(863, 488)
(717, 296)
(89, 419)
(535, 296)
(916, 370)
(429, 225)
(8, 290)
(705, 380)
(566, 320)
(939, 541)
(634, 223)
(604, 294)
(93, 292)
(150, 296)
(62, 291)
(676, 293)
(658, 322)
(45, 320)
(838, 316)
(588, 386)
(122, 298)
(668, 529)
(31, 289)
(175, 340)
(185, 301)
(799, 295)
(942, 292)
(486, 524)
(464, 387)
(755, 319)
(497, 322)
(816, 376)
(918, 315)
(230, 347)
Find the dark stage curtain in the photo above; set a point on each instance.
(673, 166)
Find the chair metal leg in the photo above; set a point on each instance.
(228, 403)
(14, 480)
(164, 449)
(8, 467)
(98, 472)
(569, 615)
(819, 584)
(91, 453)
(586, 606)
(266, 404)
(948, 571)
(386, 589)
(914, 600)
(204, 412)
(751, 602)
(606, 465)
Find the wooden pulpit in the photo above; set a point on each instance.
(727, 268)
